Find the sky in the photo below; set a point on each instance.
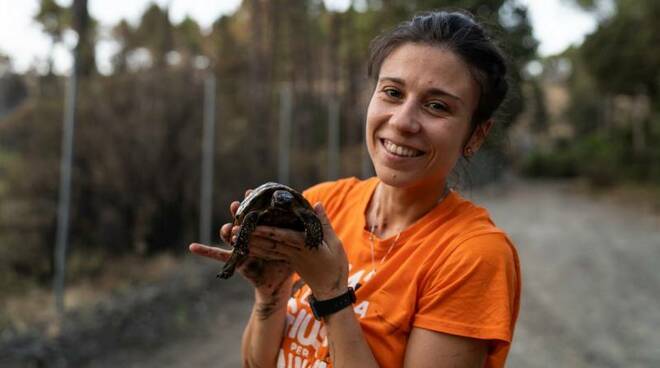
(557, 25)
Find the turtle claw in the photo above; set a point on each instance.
(227, 271)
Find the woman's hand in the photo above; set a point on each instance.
(324, 269)
(270, 278)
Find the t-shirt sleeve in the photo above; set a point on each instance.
(331, 194)
(474, 291)
(318, 192)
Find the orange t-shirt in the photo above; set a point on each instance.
(452, 271)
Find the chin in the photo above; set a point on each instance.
(410, 178)
(396, 178)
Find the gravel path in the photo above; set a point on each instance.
(591, 286)
(591, 294)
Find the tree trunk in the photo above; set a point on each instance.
(85, 45)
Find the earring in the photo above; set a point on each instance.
(468, 152)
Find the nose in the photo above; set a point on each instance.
(405, 118)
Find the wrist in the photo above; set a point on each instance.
(326, 307)
(325, 294)
(266, 306)
(268, 293)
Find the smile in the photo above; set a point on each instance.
(401, 151)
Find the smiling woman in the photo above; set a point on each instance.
(432, 280)
(418, 118)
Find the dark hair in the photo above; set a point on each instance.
(459, 32)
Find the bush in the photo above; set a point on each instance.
(600, 159)
(603, 159)
(561, 164)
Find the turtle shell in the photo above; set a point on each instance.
(259, 200)
(269, 205)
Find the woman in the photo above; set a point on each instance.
(439, 284)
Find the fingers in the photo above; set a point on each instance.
(226, 230)
(320, 213)
(233, 207)
(270, 252)
(268, 247)
(225, 233)
(325, 222)
(218, 254)
(290, 238)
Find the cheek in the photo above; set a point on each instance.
(447, 140)
(371, 118)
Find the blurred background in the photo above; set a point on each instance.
(127, 128)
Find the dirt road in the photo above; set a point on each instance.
(591, 293)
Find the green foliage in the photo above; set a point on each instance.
(155, 33)
(620, 53)
(56, 19)
(614, 104)
(605, 159)
(559, 164)
(53, 18)
(599, 158)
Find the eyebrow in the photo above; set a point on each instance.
(430, 91)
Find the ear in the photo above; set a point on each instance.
(477, 139)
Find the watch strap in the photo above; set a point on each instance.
(324, 308)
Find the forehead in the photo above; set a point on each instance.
(424, 67)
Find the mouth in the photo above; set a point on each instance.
(399, 150)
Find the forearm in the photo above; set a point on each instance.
(264, 331)
(348, 347)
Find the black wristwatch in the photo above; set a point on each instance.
(323, 308)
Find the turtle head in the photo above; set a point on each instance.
(282, 199)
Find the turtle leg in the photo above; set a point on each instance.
(241, 250)
(313, 228)
(247, 227)
(229, 267)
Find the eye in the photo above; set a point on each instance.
(392, 92)
(436, 106)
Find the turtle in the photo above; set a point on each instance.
(277, 205)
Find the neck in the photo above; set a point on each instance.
(391, 209)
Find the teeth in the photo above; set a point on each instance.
(400, 150)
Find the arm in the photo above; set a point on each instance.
(348, 347)
(264, 331)
(428, 348)
(272, 282)
(425, 348)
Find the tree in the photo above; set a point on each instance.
(188, 39)
(155, 32)
(614, 88)
(54, 19)
(84, 26)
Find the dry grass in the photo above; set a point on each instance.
(645, 198)
(35, 307)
